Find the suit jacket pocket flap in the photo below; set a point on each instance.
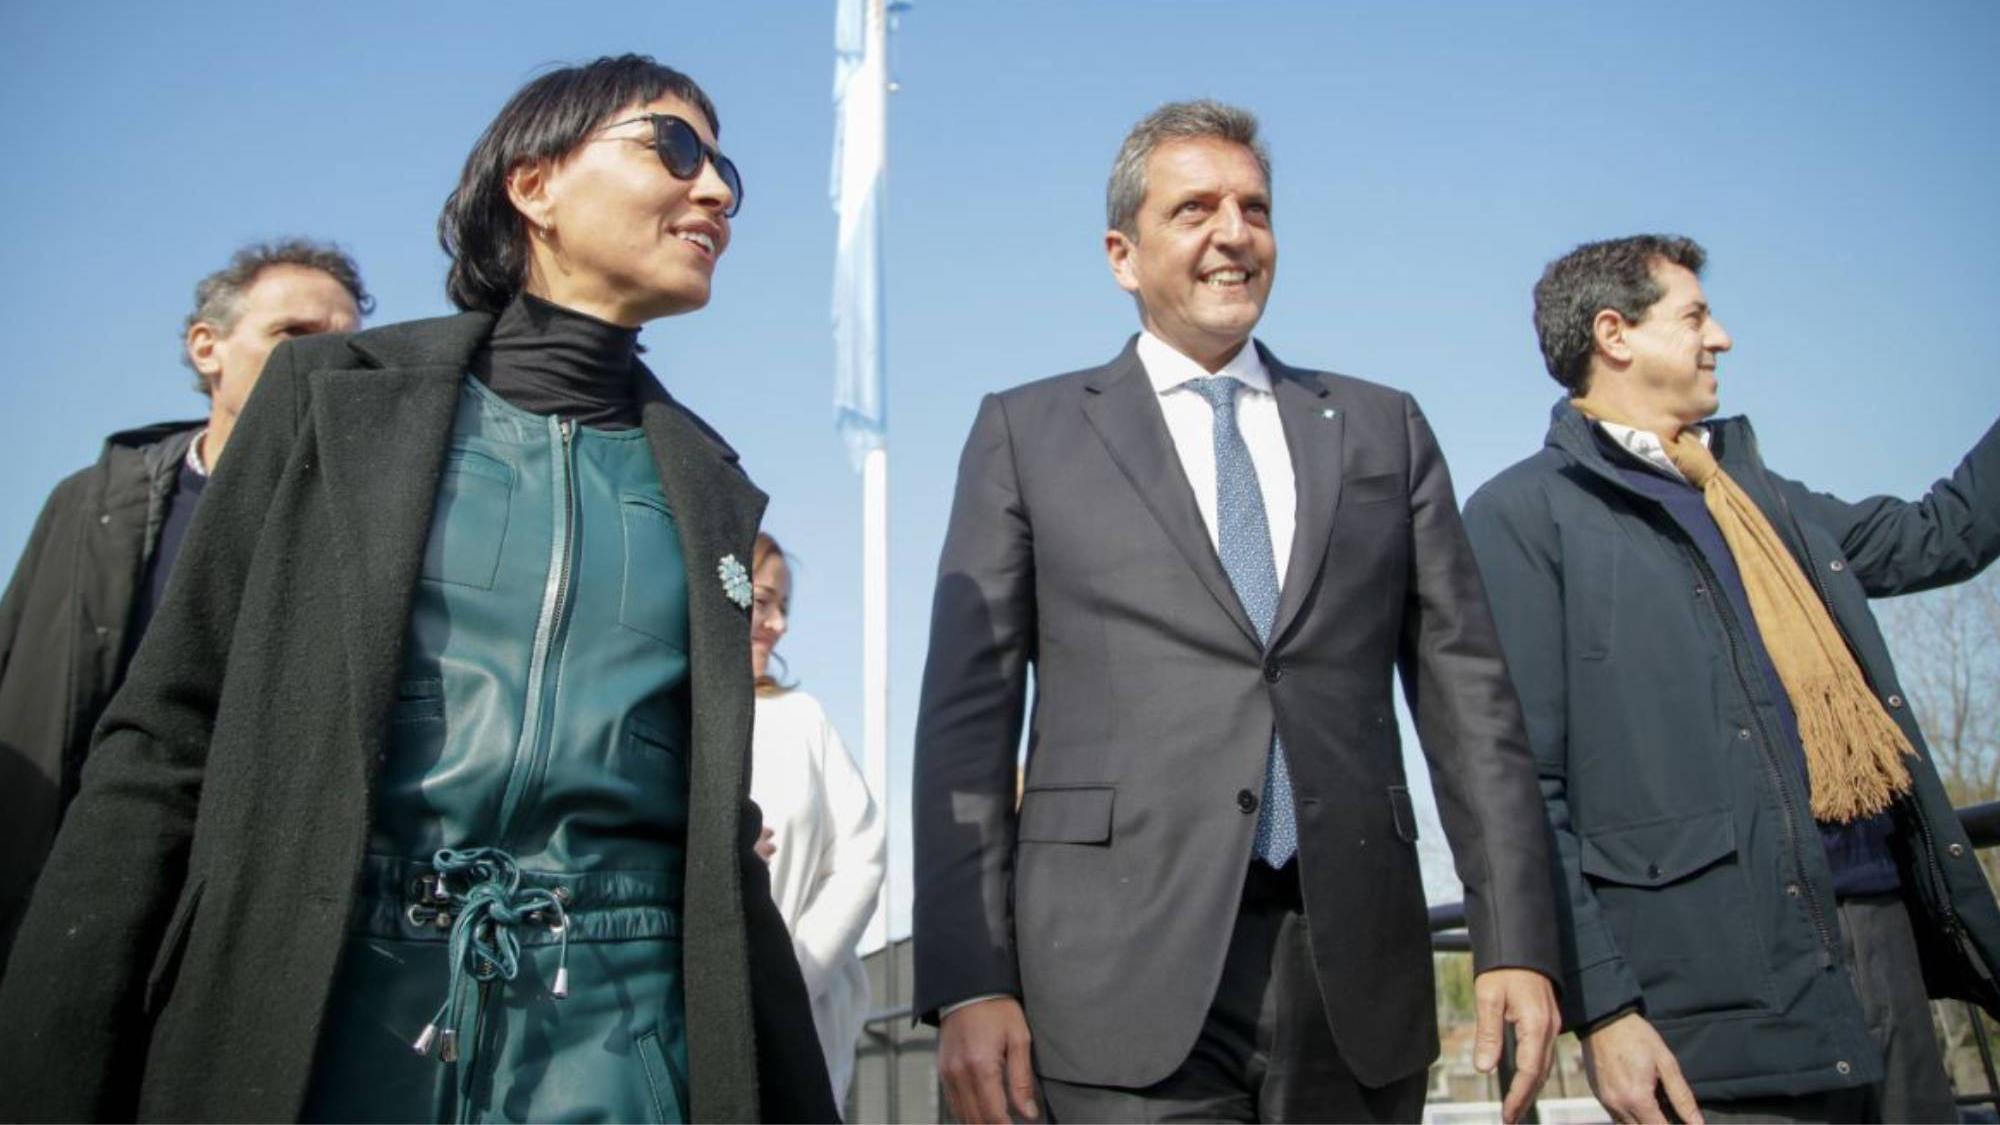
(1653, 855)
(1072, 815)
(1368, 488)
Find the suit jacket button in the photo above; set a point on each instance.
(1246, 800)
(1273, 672)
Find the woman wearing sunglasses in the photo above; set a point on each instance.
(426, 796)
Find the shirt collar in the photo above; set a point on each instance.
(1646, 445)
(1167, 369)
(194, 454)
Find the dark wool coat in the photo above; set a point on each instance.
(62, 637)
(1692, 880)
(176, 959)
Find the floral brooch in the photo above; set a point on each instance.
(735, 581)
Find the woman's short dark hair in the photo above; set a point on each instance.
(1614, 274)
(481, 232)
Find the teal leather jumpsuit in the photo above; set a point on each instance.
(519, 919)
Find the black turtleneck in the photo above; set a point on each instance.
(547, 359)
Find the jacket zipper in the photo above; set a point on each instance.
(1717, 596)
(549, 630)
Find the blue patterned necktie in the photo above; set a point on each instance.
(1244, 533)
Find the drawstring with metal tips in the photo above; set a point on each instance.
(484, 945)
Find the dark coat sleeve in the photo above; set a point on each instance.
(1901, 546)
(969, 726)
(13, 605)
(792, 1079)
(1514, 538)
(74, 1007)
(32, 745)
(1469, 722)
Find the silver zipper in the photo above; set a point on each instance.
(548, 627)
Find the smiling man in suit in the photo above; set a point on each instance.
(1207, 903)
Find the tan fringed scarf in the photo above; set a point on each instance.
(1854, 751)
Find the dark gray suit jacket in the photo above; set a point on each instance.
(1106, 902)
(176, 959)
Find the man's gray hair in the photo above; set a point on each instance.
(218, 298)
(1175, 121)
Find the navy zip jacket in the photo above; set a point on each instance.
(1691, 879)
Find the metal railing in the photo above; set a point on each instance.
(888, 1030)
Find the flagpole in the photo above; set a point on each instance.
(860, 175)
(875, 526)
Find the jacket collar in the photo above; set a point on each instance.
(443, 341)
(154, 434)
(1731, 439)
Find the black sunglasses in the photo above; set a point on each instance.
(682, 150)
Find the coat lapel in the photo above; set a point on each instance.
(1123, 408)
(1315, 435)
(382, 431)
(717, 511)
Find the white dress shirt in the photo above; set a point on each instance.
(1647, 447)
(1191, 424)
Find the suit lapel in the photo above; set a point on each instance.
(1315, 436)
(1125, 411)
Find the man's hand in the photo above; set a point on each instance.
(1527, 1000)
(983, 1059)
(767, 844)
(1629, 1065)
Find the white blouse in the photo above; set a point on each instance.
(828, 867)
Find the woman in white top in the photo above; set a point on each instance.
(823, 835)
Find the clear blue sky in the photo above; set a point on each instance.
(1839, 160)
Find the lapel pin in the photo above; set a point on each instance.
(1328, 412)
(735, 581)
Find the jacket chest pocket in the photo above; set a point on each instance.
(1677, 899)
(654, 600)
(469, 521)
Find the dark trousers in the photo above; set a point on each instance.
(1265, 1052)
(1879, 950)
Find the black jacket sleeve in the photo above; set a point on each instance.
(32, 744)
(74, 1010)
(1902, 546)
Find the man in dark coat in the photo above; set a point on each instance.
(1760, 874)
(99, 556)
